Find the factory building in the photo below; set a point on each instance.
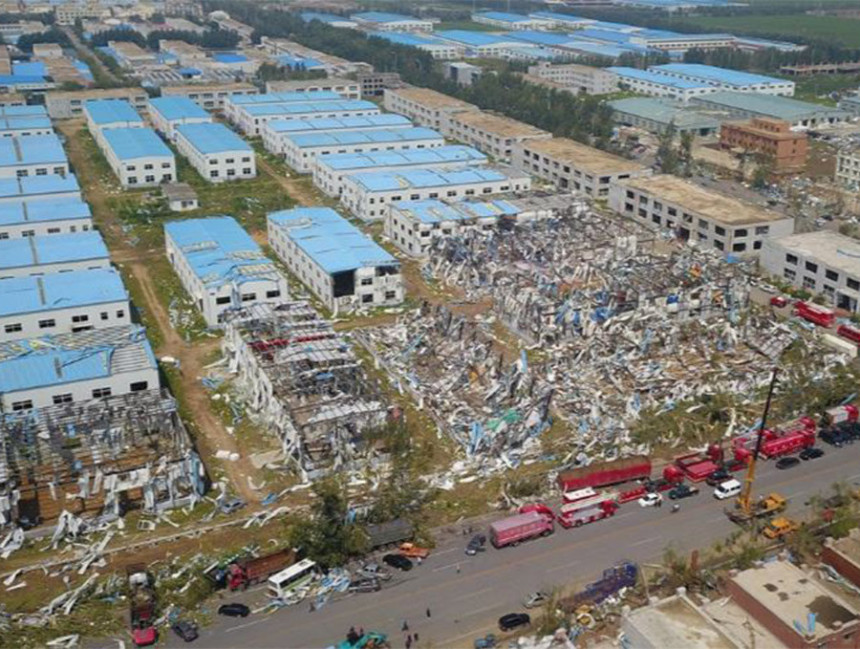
(26, 218)
(275, 131)
(423, 106)
(216, 152)
(725, 79)
(572, 166)
(576, 78)
(32, 155)
(330, 171)
(103, 114)
(346, 88)
(646, 82)
(739, 105)
(381, 21)
(493, 134)
(694, 213)
(221, 267)
(234, 105)
(302, 150)
(167, 113)
(39, 188)
(252, 118)
(513, 22)
(558, 21)
(60, 303)
(772, 138)
(77, 367)
(16, 121)
(68, 104)
(368, 194)
(210, 97)
(657, 115)
(55, 253)
(138, 157)
(824, 262)
(439, 49)
(480, 44)
(344, 267)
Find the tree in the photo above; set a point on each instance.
(667, 156)
(272, 72)
(685, 153)
(124, 35)
(762, 172)
(53, 35)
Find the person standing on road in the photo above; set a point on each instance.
(405, 626)
(428, 611)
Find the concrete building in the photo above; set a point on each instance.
(295, 55)
(130, 55)
(462, 73)
(480, 44)
(774, 139)
(138, 157)
(572, 166)
(210, 97)
(103, 114)
(346, 88)
(16, 121)
(58, 303)
(233, 106)
(274, 132)
(577, 78)
(73, 368)
(823, 262)
(167, 113)
(181, 197)
(739, 105)
(69, 12)
(374, 84)
(848, 168)
(68, 104)
(656, 115)
(381, 21)
(511, 21)
(368, 194)
(302, 150)
(221, 267)
(495, 135)
(330, 171)
(216, 152)
(424, 106)
(694, 213)
(844, 555)
(38, 188)
(344, 267)
(25, 218)
(251, 119)
(653, 84)
(55, 253)
(725, 79)
(32, 155)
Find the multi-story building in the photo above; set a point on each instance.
(373, 84)
(210, 97)
(39, 188)
(130, 55)
(381, 21)
(69, 12)
(771, 138)
(725, 79)
(368, 194)
(346, 88)
(481, 44)
(274, 132)
(55, 253)
(577, 78)
(693, 213)
(233, 106)
(138, 157)
(167, 113)
(103, 114)
(424, 106)
(32, 155)
(513, 22)
(646, 82)
(68, 104)
(252, 119)
(216, 152)
(26, 218)
(822, 262)
(572, 166)
(493, 134)
(848, 168)
(221, 267)
(345, 268)
(58, 303)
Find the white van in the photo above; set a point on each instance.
(727, 489)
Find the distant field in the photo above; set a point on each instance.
(465, 24)
(844, 31)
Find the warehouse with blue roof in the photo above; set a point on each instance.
(479, 43)
(138, 157)
(302, 150)
(221, 267)
(103, 114)
(55, 253)
(25, 124)
(344, 267)
(32, 155)
(329, 171)
(36, 188)
(507, 20)
(252, 117)
(26, 218)
(274, 131)
(234, 103)
(646, 82)
(383, 21)
(439, 49)
(57, 303)
(216, 152)
(169, 112)
(726, 79)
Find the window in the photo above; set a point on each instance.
(18, 406)
(366, 299)
(273, 294)
(853, 284)
(762, 229)
(165, 165)
(62, 398)
(13, 328)
(120, 313)
(390, 295)
(139, 386)
(739, 247)
(213, 173)
(53, 230)
(247, 171)
(791, 259)
(28, 233)
(741, 232)
(703, 224)
(222, 300)
(47, 324)
(788, 273)
(831, 274)
(101, 393)
(247, 297)
(231, 172)
(809, 283)
(721, 231)
(719, 245)
(230, 161)
(147, 167)
(811, 267)
(132, 180)
(80, 318)
(41, 172)
(149, 179)
(104, 315)
(366, 281)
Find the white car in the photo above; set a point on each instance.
(651, 500)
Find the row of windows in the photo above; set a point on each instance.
(812, 267)
(165, 178)
(248, 297)
(41, 171)
(67, 397)
(229, 161)
(149, 167)
(32, 233)
(50, 323)
(230, 172)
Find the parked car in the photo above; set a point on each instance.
(535, 599)
(397, 561)
(718, 477)
(727, 489)
(476, 544)
(234, 609)
(487, 642)
(778, 301)
(834, 436)
(651, 500)
(231, 505)
(514, 620)
(787, 462)
(374, 571)
(185, 630)
(682, 491)
(365, 585)
(811, 453)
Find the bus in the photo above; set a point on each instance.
(285, 583)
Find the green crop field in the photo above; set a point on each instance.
(844, 31)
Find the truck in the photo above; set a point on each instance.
(771, 504)
(815, 313)
(390, 533)
(787, 439)
(849, 333)
(602, 474)
(840, 415)
(141, 606)
(521, 527)
(588, 510)
(696, 467)
(780, 527)
(253, 570)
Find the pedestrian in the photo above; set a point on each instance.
(416, 637)
(458, 568)
(428, 611)
(409, 642)
(405, 626)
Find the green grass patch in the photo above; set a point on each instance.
(832, 29)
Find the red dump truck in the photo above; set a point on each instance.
(247, 572)
(521, 527)
(602, 474)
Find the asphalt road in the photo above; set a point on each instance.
(466, 595)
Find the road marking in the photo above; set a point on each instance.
(437, 554)
(644, 541)
(566, 565)
(475, 594)
(451, 565)
(246, 625)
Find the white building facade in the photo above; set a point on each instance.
(138, 157)
(216, 152)
(424, 106)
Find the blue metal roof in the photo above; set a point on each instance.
(554, 15)
(31, 150)
(409, 157)
(132, 143)
(51, 249)
(302, 62)
(285, 97)
(229, 57)
(435, 211)
(601, 49)
(653, 77)
(39, 211)
(350, 122)
(212, 138)
(219, 251)
(29, 69)
(504, 16)
(24, 122)
(473, 39)
(381, 17)
(618, 27)
(173, 108)
(713, 74)
(334, 243)
(309, 140)
(533, 52)
(407, 38)
(60, 291)
(541, 38)
(383, 181)
(32, 187)
(111, 111)
(603, 35)
(300, 108)
(23, 111)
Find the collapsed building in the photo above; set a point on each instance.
(305, 382)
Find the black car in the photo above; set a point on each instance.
(682, 491)
(811, 453)
(514, 620)
(718, 477)
(397, 561)
(476, 544)
(787, 462)
(834, 437)
(185, 630)
(234, 610)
